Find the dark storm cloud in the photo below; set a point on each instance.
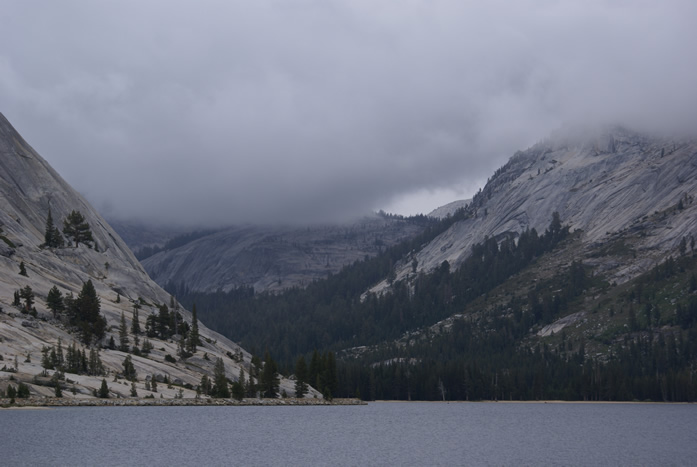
(232, 111)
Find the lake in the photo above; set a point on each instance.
(381, 433)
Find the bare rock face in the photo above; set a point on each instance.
(603, 184)
(28, 188)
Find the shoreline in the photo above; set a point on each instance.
(535, 402)
(48, 402)
(52, 402)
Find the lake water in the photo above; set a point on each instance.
(420, 434)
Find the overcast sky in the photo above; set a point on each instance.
(221, 112)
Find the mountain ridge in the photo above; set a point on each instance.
(274, 258)
(599, 185)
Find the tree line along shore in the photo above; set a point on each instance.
(147, 402)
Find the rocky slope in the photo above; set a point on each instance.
(603, 183)
(28, 187)
(275, 258)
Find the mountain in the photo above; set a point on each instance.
(29, 190)
(603, 183)
(572, 274)
(274, 258)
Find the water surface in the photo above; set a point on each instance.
(378, 434)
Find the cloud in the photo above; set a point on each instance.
(227, 112)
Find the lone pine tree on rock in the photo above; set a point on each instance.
(75, 227)
(54, 301)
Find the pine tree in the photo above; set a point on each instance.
(123, 335)
(205, 385)
(73, 359)
(22, 391)
(60, 359)
(151, 325)
(11, 393)
(147, 346)
(255, 367)
(135, 323)
(300, 377)
(22, 269)
(48, 232)
(103, 390)
(315, 369)
(220, 388)
(163, 318)
(95, 366)
(54, 301)
(53, 357)
(194, 339)
(633, 323)
(85, 313)
(84, 364)
(129, 371)
(76, 228)
(27, 294)
(269, 380)
(46, 361)
(330, 378)
(251, 387)
(52, 236)
(238, 387)
(181, 347)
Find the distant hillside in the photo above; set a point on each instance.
(275, 258)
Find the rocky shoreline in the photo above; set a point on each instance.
(141, 402)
